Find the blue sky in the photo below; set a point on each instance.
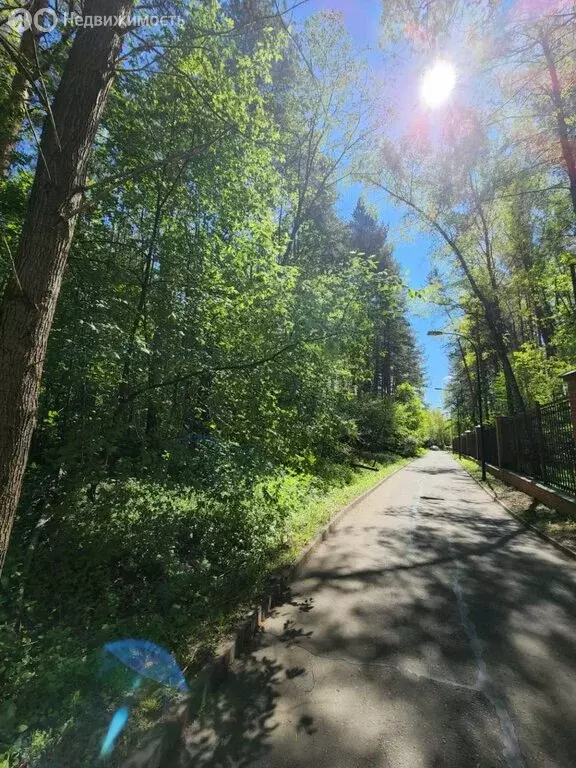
(362, 20)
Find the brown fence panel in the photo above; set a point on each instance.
(538, 443)
(490, 444)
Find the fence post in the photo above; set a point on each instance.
(570, 379)
(478, 441)
(516, 456)
(540, 441)
(500, 440)
(467, 443)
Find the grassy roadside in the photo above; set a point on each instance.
(58, 697)
(310, 518)
(307, 519)
(558, 525)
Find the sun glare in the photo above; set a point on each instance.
(438, 84)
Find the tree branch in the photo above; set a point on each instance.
(241, 366)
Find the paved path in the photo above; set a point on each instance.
(429, 630)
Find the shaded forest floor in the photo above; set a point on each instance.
(558, 525)
(123, 567)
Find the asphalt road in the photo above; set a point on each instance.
(429, 630)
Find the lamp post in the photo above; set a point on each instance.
(476, 350)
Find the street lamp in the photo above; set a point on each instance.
(475, 347)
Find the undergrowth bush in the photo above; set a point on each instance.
(133, 559)
(390, 423)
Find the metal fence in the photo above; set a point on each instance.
(539, 443)
(526, 455)
(558, 452)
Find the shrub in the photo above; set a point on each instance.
(377, 422)
(407, 445)
(138, 559)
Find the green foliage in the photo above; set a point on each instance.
(377, 422)
(436, 428)
(398, 424)
(226, 344)
(411, 410)
(154, 560)
(538, 375)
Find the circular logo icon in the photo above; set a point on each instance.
(19, 20)
(45, 20)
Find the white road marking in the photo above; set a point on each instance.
(484, 682)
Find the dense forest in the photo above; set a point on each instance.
(200, 351)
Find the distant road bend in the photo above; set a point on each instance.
(429, 631)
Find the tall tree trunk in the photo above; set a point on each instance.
(496, 327)
(536, 301)
(30, 297)
(573, 279)
(492, 309)
(472, 389)
(546, 326)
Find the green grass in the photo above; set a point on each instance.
(556, 524)
(310, 518)
(307, 519)
(120, 567)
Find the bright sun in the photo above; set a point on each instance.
(438, 84)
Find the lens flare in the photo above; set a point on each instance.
(149, 660)
(117, 723)
(437, 84)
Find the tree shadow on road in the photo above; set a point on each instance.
(426, 469)
(222, 723)
(391, 638)
(516, 593)
(227, 718)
